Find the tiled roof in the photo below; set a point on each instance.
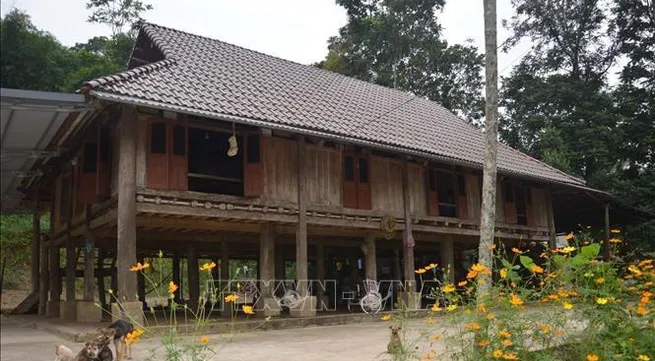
(217, 79)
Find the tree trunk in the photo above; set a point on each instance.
(488, 213)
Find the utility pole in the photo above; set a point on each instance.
(488, 213)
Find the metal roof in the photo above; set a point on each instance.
(29, 120)
(197, 75)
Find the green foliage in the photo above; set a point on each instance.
(16, 236)
(123, 16)
(396, 43)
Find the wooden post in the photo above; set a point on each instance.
(266, 259)
(301, 232)
(193, 276)
(448, 259)
(370, 261)
(36, 243)
(141, 283)
(101, 279)
(408, 238)
(320, 267)
(69, 310)
(552, 237)
(43, 280)
(608, 248)
(88, 257)
(176, 276)
(126, 216)
(55, 282)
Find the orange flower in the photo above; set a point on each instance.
(204, 339)
(207, 266)
(462, 283)
(569, 236)
(472, 326)
(507, 342)
(420, 271)
(484, 343)
(435, 308)
(510, 356)
(497, 354)
(592, 357)
(505, 334)
(600, 280)
(172, 287)
(386, 317)
(545, 328)
(516, 250)
(516, 300)
(139, 267)
(478, 269)
(247, 310)
(536, 269)
(448, 288)
(641, 310)
(615, 240)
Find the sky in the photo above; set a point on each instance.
(296, 30)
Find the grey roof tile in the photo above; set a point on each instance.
(211, 76)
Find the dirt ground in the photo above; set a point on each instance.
(366, 341)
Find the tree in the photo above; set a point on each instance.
(30, 58)
(488, 212)
(123, 16)
(396, 43)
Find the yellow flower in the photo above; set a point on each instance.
(516, 250)
(536, 269)
(451, 307)
(204, 339)
(634, 269)
(592, 357)
(641, 310)
(247, 310)
(139, 267)
(507, 343)
(643, 358)
(431, 266)
(601, 301)
(516, 300)
(448, 288)
(600, 281)
(567, 250)
(477, 269)
(462, 283)
(484, 343)
(472, 326)
(490, 316)
(559, 333)
(133, 336)
(436, 337)
(503, 273)
(435, 308)
(545, 328)
(510, 356)
(172, 287)
(615, 231)
(429, 321)
(504, 334)
(386, 317)
(492, 246)
(420, 271)
(567, 306)
(207, 266)
(615, 240)
(497, 354)
(231, 298)
(569, 236)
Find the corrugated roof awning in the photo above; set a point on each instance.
(29, 120)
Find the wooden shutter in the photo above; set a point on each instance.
(87, 174)
(433, 200)
(363, 184)
(509, 203)
(103, 179)
(157, 159)
(462, 201)
(253, 170)
(529, 212)
(178, 151)
(349, 190)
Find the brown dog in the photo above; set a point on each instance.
(395, 344)
(89, 352)
(63, 353)
(117, 332)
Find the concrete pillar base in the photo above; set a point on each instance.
(52, 308)
(68, 310)
(305, 308)
(267, 306)
(133, 312)
(410, 300)
(87, 311)
(323, 303)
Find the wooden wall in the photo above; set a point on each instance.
(418, 202)
(280, 169)
(386, 196)
(324, 176)
(540, 206)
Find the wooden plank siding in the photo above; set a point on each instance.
(280, 165)
(324, 169)
(387, 186)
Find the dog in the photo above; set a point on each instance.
(394, 344)
(89, 352)
(63, 353)
(117, 332)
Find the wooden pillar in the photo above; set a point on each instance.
(193, 276)
(36, 243)
(126, 216)
(301, 231)
(43, 280)
(266, 259)
(608, 235)
(448, 259)
(408, 238)
(280, 265)
(54, 289)
(89, 276)
(102, 297)
(370, 261)
(70, 270)
(141, 283)
(552, 237)
(320, 266)
(176, 277)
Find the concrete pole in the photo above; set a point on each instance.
(370, 261)
(126, 216)
(448, 259)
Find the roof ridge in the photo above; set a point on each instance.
(130, 74)
(529, 157)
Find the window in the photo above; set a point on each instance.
(105, 140)
(363, 170)
(461, 185)
(90, 160)
(179, 140)
(158, 138)
(210, 169)
(254, 149)
(349, 169)
(446, 194)
(432, 180)
(521, 205)
(509, 193)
